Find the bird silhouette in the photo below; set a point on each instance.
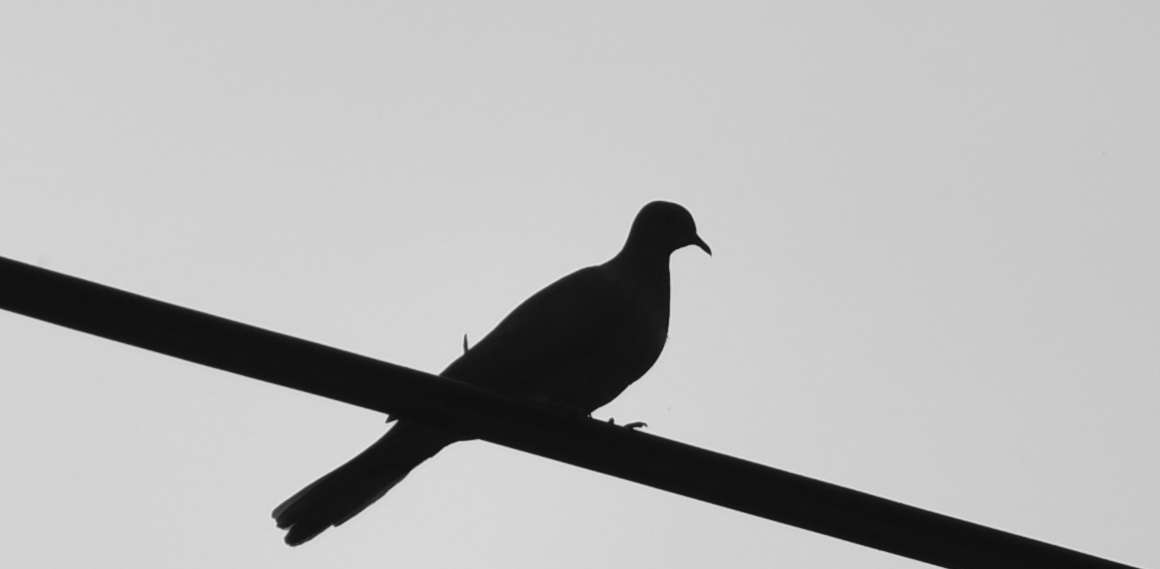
(576, 344)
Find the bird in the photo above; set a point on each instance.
(575, 345)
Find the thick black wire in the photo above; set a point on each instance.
(640, 457)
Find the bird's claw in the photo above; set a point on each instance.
(633, 425)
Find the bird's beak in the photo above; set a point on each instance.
(702, 244)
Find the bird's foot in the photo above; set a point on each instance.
(633, 425)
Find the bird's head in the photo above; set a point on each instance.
(664, 227)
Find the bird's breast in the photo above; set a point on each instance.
(628, 351)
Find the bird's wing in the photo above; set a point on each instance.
(555, 328)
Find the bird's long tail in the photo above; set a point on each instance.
(350, 488)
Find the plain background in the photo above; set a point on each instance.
(935, 274)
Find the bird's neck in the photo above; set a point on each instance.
(647, 265)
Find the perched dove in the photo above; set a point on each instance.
(576, 344)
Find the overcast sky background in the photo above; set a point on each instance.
(935, 274)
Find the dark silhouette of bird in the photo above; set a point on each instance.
(576, 344)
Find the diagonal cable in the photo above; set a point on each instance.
(640, 457)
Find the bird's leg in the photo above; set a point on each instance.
(565, 410)
(633, 425)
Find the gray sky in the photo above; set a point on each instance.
(935, 271)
